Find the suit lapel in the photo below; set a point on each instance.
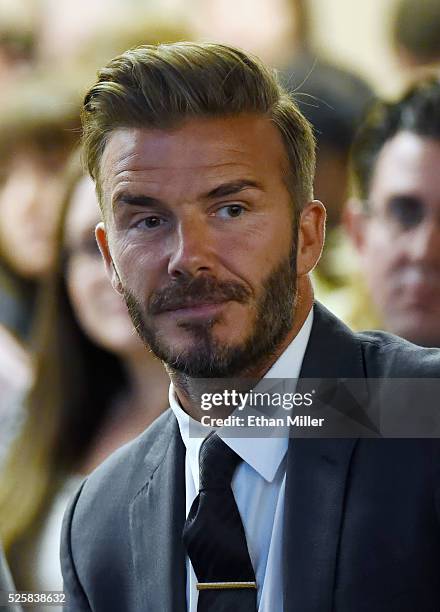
(157, 515)
(317, 474)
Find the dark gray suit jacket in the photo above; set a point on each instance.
(362, 531)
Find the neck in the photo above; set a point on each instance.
(189, 390)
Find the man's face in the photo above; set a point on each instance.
(201, 240)
(400, 246)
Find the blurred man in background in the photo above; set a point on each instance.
(394, 219)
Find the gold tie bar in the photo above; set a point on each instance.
(203, 586)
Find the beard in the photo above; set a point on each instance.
(208, 357)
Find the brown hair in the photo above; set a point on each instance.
(417, 111)
(158, 86)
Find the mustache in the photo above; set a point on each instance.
(196, 291)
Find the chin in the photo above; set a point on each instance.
(208, 356)
(188, 335)
(195, 346)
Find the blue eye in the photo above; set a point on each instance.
(151, 222)
(230, 211)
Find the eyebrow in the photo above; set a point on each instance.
(135, 200)
(232, 188)
(220, 191)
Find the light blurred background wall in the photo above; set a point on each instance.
(352, 33)
(356, 34)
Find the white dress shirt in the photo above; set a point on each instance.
(258, 485)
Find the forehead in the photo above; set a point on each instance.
(407, 163)
(197, 149)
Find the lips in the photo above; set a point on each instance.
(192, 305)
(196, 310)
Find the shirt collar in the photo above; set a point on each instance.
(266, 456)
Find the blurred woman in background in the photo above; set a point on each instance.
(96, 387)
(36, 138)
(39, 125)
(93, 385)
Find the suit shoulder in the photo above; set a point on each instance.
(387, 355)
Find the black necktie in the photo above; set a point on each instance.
(214, 536)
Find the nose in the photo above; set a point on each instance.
(192, 250)
(424, 245)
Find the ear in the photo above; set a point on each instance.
(101, 239)
(311, 235)
(354, 222)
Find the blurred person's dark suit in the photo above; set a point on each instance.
(5, 576)
(6, 583)
(362, 528)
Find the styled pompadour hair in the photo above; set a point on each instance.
(160, 86)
